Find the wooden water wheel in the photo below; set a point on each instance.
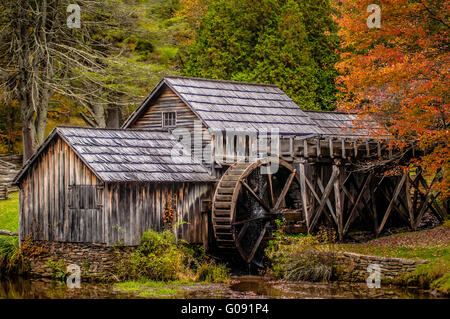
(247, 200)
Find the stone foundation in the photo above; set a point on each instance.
(96, 261)
(353, 267)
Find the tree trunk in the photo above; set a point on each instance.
(27, 136)
(99, 114)
(114, 119)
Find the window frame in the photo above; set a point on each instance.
(163, 120)
(96, 193)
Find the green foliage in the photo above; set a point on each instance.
(58, 269)
(442, 284)
(211, 272)
(162, 257)
(285, 42)
(11, 258)
(146, 288)
(10, 129)
(301, 258)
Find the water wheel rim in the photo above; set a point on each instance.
(237, 190)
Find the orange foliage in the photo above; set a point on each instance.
(399, 73)
(191, 11)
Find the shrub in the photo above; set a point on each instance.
(162, 257)
(212, 272)
(58, 269)
(434, 275)
(11, 258)
(308, 258)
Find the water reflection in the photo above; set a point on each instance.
(240, 287)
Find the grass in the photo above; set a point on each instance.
(9, 212)
(432, 245)
(149, 288)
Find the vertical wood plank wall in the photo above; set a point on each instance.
(168, 101)
(44, 209)
(133, 208)
(128, 209)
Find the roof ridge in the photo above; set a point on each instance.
(330, 112)
(220, 81)
(157, 130)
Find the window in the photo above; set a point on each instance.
(85, 196)
(169, 119)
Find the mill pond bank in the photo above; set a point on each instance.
(237, 288)
(413, 265)
(345, 282)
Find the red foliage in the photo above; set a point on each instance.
(399, 73)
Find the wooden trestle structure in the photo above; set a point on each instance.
(345, 179)
(340, 182)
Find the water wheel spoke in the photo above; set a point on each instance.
(241, 234)
(258, 199)
(242, 207)
(269, 179)
(246, 221)
(257, 243)
(285, 190)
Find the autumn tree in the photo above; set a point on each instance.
(399, 74)
(43, 59)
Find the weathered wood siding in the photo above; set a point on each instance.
(123, 211)
(133, 208)
(44, 207)
(168, 101)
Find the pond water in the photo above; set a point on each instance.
(239, 287)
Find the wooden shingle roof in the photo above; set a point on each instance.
(342, 124)
(240, 106)
(129, 155)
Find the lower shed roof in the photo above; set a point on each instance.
(128, 155)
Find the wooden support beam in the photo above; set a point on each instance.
(425, 203)
(305, 148)
(303, 191)
(285, 190)
(318, 148)
(329, 205)
(397, 209)
(338, 200)
(324, 198)
(358, 199)
(269, 178)
(374, 210)
(316, 196)
(391, 204)
(367, 148)
(330, 145)
(343, 147)
(291, 147)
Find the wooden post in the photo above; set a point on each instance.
(305, 148)
(303, 191)
(391, 204)
(319, 150)
(337, 169)
(291, 147)
(409, 201)
(330, 142)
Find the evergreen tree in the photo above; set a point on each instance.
(286, 42)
